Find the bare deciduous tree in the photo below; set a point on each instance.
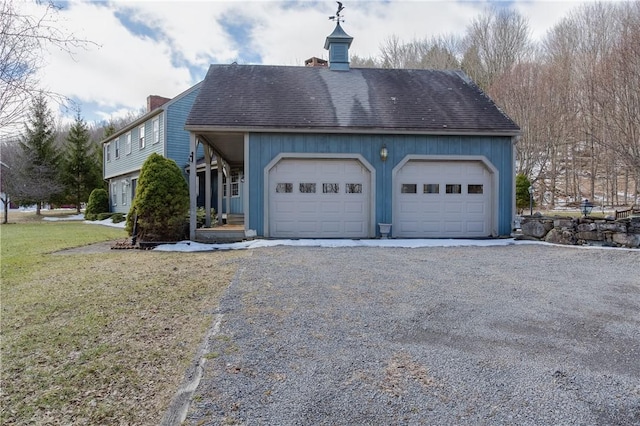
(576, 94)
(10, 169)
(495, 42)
(23, 38)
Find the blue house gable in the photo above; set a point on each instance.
(160, 130)
(340, 152)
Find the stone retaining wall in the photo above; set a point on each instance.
(580, 231)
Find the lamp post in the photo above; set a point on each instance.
(530, 200)
(586, 207)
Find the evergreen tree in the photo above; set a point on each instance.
(40, 175)
(161, 203)
(81, 172)
(522, 192)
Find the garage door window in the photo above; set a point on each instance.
(307, 188)
(475, 189)
(454, 188)
(284, 188)
(330, 188)
(409, 188)
(353, 188)
(431, 188)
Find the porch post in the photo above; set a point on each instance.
(220, 166)
(245, 187)
(193, 183)
(228, 186)
(207, 185)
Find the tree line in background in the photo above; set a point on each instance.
(44, 168)
(575, 93)
(52, 164)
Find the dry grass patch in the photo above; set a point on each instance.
(100, 338)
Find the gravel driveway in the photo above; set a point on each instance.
(525, 334)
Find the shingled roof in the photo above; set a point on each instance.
(255, 97)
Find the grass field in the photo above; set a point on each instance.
(98, 338)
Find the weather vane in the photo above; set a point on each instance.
(337, 16)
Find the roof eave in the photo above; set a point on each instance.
(133, 124)
(350, 130)
(151, 114)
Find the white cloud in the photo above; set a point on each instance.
(126, 68)
(120, 72)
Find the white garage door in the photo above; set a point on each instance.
(319, 199)
(442, 199)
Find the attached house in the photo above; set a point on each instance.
(160, 130)
(330, 151)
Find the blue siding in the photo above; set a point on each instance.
(129, 162)
(264, 147)
(177, 141)
(173, 143)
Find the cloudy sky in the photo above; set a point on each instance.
(165, 47)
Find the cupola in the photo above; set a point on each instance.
(338, 43)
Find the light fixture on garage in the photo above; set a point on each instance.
(384, 153)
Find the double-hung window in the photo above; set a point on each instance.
(128, 143)
(141, 137)
(114, 193)
(117, 149)
(156, 130)
(235, 179)
(107, 151)
(124, 193)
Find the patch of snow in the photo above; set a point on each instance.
(106, 222)
(56, 219)
(190, 246)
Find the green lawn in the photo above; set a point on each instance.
(98, 338)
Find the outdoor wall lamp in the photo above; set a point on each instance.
(586, 207)
(384, 153)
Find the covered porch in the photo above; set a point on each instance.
(224, 155)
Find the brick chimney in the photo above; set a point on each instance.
(155, 101)
(316, 62)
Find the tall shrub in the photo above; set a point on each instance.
(161, 202)
(98, 203)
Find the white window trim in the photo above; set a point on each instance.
(123, 192)
(235, 184)
(156, 130)
(117, 149)
(114, 193)
(128, 144)
(141, 137)
(107, 152)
